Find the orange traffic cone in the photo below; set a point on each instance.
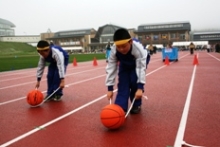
(95, 62)
(74, 62)
(195, 61)
(167, 62)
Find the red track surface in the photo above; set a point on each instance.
(73, 123)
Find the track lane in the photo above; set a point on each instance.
(203, 121)
(158, 120)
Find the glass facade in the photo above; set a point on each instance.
(6, 28)
(107, 34)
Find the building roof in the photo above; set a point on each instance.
(77, 30)
(100, 29)
(164, 23)
(73, 33)
(6, 22)
(201, 33)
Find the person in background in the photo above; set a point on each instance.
(131, 70)
(151, 49)
(208, 48)
(217, 47)
(58, 60)
(192, 48)
(108, 51)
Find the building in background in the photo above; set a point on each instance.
(6, 28)
(7, 34)
(163, 33)
(29, 39)
(84, 40)
(211, 36)
(48, 34)
(90, 40)
(73, 40)
(103, 36)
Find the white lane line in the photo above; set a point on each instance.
(214, 57)
(3, 103)
(45, 78)
(182, 126)
(51, 122)
(84, 81)
(11, 101)
(63, 116)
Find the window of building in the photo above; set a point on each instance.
(173, 36)
(148, 37)
(108, 30)
(105, 39)
(155, 37)
(164, 36)
(182, 36)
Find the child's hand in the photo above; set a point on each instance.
(109, 95)
(37, 84)
(62, 83)
(138, 93)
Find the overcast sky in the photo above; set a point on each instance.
(33, 17)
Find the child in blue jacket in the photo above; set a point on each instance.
(131, 71)
(58, 60)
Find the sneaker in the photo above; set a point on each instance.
(135, 110)
(57, 98)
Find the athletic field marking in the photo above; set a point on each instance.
(63, 116)
(3, 103)
(34, 75)
(181, 130)
(182, 125)
(214, 57)
(67, 85)
(51, 122)
(45, 79)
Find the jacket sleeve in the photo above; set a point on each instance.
(58, 56)
(141, 55)
(40, 68)
(111, 69)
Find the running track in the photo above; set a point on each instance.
(182, 107)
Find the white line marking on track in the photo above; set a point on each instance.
(63, 116)
(182, 125)
(68, 85)
(85, 81)
(45, 78)
(214, 57)
(51, 122)
(181, 130)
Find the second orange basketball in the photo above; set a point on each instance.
(112, 116)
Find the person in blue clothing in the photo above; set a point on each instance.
(108, 51)
(131, 70)
(58, 60)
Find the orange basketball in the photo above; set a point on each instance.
(112, 116)
(35, 97)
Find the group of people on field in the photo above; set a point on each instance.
(126, 58)
(209, 48)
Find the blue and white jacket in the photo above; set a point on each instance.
(138, 53)
(57, 56)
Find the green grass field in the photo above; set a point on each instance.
(14, 56)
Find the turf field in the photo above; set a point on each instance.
(15, 56)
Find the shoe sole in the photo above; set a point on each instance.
(56, 100)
